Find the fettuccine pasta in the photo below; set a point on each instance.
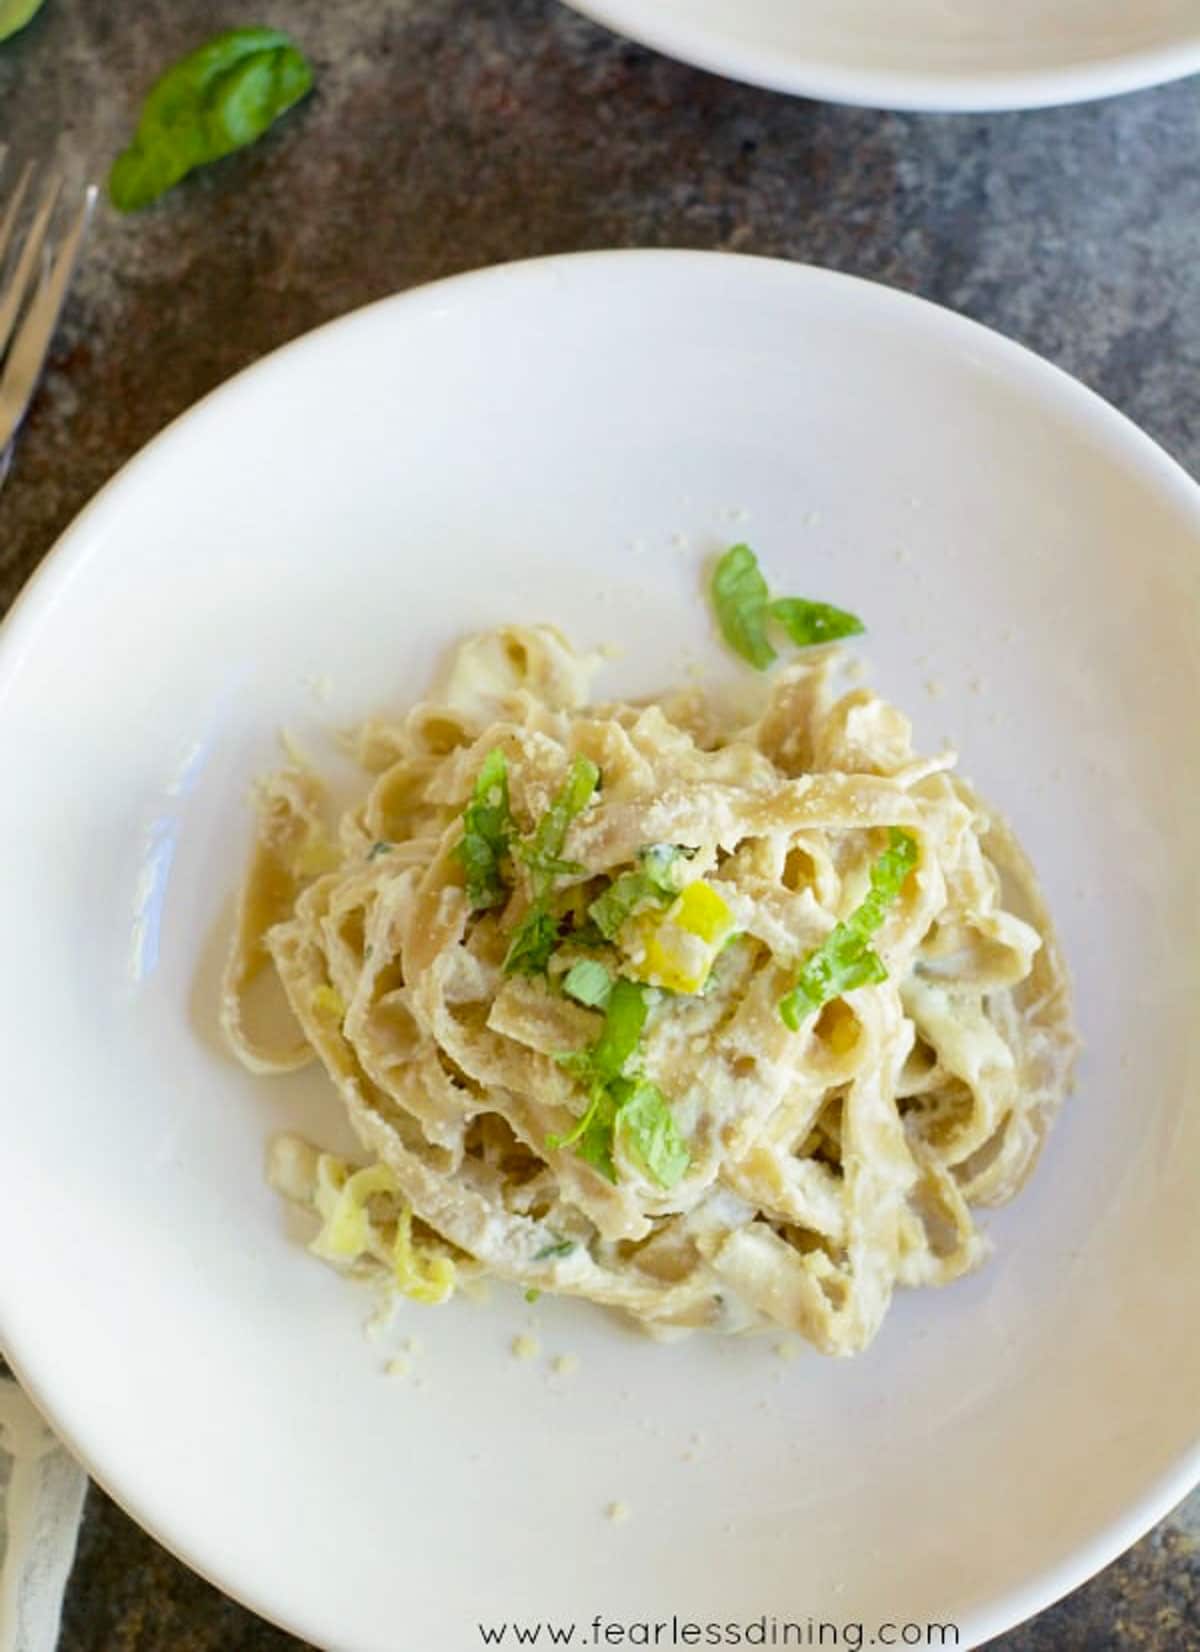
(725, 1022)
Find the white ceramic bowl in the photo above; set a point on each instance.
(923, 54)
(565, 440)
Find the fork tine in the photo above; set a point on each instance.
(8, 223)
(24, 365)
(27, 263)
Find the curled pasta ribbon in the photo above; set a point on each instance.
(825, 1166)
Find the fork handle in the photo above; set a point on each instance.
(24, 365)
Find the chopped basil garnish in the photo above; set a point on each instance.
(648, 1125)
(588, 982)
(741, 599)
(488, 831)
(622, 1098)
(744, 609)
(844, 960)
(808, 623)
(535, 937)
(654, 882)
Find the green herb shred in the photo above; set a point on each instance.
(845, 960)
(654, 882)
(744, 609)
(808, 623)
(588, 982)
(535, 937)
(488, 832)
(741, 600)
(623, 1098)
(648, 1125)
(533, 942)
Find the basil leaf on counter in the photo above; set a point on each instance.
(219, 98)
(14, 14)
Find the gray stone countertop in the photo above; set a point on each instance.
(447, 134)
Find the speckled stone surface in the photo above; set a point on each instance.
(447, 134)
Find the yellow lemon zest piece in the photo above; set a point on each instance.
(350, 1232)
(421, 1274)
(327, 1000)
(699, 910)
(677, 948)
(341, 1198)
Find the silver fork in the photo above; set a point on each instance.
(31, 299)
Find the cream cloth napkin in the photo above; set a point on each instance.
(41, 1502)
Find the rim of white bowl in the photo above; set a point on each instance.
(979, 1624)
(946, 92)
